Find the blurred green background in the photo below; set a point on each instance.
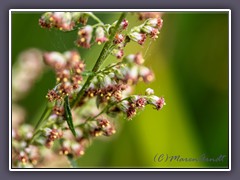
(190, 61)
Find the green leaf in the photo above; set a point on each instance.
(68, 115)
(98, 101)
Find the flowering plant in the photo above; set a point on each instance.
(83, 104)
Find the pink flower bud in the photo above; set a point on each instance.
(138, 37)
(119, 38)
(100, 35)
(155, 22)
(149, 91)
(153, 32)
(84, 37)
(55, 60)
(156, 101)
(135, 58)
(118, 53)
(146, 74)
(124, 24)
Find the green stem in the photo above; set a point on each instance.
(103, 111)
(46, 112)
(109, 67)
(35, 135)
(94, 17)
(96, 25)
(44, 116)
(103, 55)
(106, 108)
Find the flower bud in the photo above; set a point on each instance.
(138, 37)
(146, 74)
(123, 106)
(66, 22)
(131, 112)
(55, 60)
(84, 37)
(153, 32)
(154, 22)
(119, 38)
(76, 16)
(100, 35)
(46, 20)
(135, 58)
(124, 24)
(118, 53)
(52, 118)
(149, 91)
(77, 149)
(141, 102)
(156, 101)
(147, 15)
(83, 18)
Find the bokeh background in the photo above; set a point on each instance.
(190, 61)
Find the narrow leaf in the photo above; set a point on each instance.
(68, 115)
(98, 101)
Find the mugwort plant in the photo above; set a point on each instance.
(83, 104)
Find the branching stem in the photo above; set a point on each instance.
(103, 55)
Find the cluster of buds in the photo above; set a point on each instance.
(86, 131)
(24, 155)
(26, 71)
(27, 155)
(150, 27)
(132, 104)
(107, 95)
(29, 62)
(110, 84)
(123, 25)
(120, 40)
(68, 67)
(147, 15)
(72, 147)
(135, 70)
(64, 21)
(51, 136)
(85, 35)
(114, 82)
(101, 127)
(110, 92)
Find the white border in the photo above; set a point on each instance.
(120, 10)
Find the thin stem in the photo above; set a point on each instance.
(103, 55)
(103, 111)
(96, 25)
(109, 67)
(44, 116)
(106, 108)
(105, 52)
(94, 17)
(35, 135)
